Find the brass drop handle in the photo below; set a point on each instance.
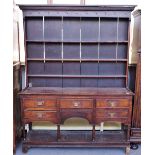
(112, 114)
(76, 104)
(112, 103)
(40, 115)
(40, 103)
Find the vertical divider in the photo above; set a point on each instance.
(117, 38)
(116, 46)
(129, 24)
(26, 53)
(80, 49)
(44, 39)
(62, 47)
(98, 50)
(44, 47)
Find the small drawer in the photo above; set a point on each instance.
(41, 116)
(113, 113)
(74, 103)
(39, 103)
(102, 119)
(103, 103)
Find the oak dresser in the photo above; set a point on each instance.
(76, 66)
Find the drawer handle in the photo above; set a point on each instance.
(112, 103)
(76, 104)
(40, 115)
(40, 103)
(112, 114)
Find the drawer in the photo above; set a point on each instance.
(112, 113)
(75, 103)
(103, 103)
(102, 119)
(39, 103)
(41, 116)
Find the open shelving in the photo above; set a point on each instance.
(77, 51)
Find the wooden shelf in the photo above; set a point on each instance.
(78, 42)
(78, 60)
(77, 76)
(77, 137)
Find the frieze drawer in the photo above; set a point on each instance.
(103, 103)
(39, 104)
(75, 103)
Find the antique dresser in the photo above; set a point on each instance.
(76, 66)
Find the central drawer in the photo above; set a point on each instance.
(41, 116)
(76, 103)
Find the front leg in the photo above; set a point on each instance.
(24, 131)
(134, 146)
(93, 133)
(24, 148)
(30, 126)
(127, 150)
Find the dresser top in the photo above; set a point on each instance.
(79, 7)
(76, 91)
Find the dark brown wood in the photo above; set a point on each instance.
(78, 102)
(77, 66)
(78, 60)
(79, 7)
(17, 127)
(136, 117)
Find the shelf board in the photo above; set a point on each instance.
(78, 42)
(77, 76)
(77, 137)
(78, 60)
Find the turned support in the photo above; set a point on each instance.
(24, 149)
(58, 132)
(93, 133)
(30, 126)
(127, 150)
(24, 131)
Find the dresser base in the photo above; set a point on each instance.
(47, 138)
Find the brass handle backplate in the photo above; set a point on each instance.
(76, 104)
(40, 115)
(112, 114)
(112, 103)
(40, 103)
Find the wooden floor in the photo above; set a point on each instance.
(76, 151)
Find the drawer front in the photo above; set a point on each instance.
(39, 103)
(112, 113)
(73, 103)
(41, 116)
(110, 103)
(102, 119)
